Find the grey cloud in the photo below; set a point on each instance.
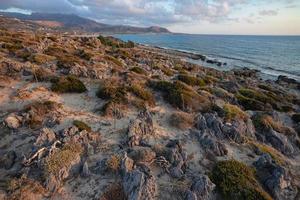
(268, 12)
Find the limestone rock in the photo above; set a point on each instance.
(8, 160)
(275, 178)
(202, 188)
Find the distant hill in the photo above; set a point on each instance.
(70, 22)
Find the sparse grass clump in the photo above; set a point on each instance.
(82, 126)
(113, 60)
(62, 158)
(233, 112)
(191, 80)
(42, 74)
(236, 181)
(142, 93)
(167, 71)
(68, 84)
(181, 120)
(276, 155)
(181, 95)
(138, 70)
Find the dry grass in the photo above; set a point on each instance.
(114, 192)
(113, 163)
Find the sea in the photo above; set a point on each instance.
(271, 55)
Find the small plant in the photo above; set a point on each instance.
(167, 71)
(68, 84)
(276, 155)
(42, 74)
(82, 126)
(138, 70)
(233, 112)
(181, 120)
(263, 121)
(113, 60)
(236, 181)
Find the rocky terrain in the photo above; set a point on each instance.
(98, 118)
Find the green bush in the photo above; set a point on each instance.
(190, 80)
(82, 126)
(233, 112)
(237, 181)
(68, 84)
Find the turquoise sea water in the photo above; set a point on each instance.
(272, 55)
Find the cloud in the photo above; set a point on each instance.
(133, 11)
(268, 12)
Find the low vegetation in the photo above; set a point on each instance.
(276, 155)
(41, 58)
(68, 84)
(142, 93)
(265, 122)
(138, 70)
(112, 90)
(113, 163)
(114, 192)
(236, 181)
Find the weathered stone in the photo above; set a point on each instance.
(85, 170)
(139, 184)
(203, 187)
(139, 128)
(13, 121)
(275, 178)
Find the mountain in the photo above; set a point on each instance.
(71, 22)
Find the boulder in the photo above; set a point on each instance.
(85, 170)
(276, 180)
(13, 121)
(139, 128)
(8, 160)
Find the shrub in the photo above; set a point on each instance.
(84, 54)
(41, 58)
(138, 70)
(250, 103)
(67, 61)
(114, 192)
(142, 93)
(190, 80)
(181, 96)
(167, 71)
(42, 74)
(233, 112)
(68, 84)
(181, 120)
(113, 109)
(62, 158)
(236, 181)
(82, 126)
(263, 121)
(110, 90)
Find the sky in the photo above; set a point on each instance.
(246, 17)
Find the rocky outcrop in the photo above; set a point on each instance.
(8, 160)
(139, 184)
(275, 178)
(201, 189)
(139, 128)
(46, 137)
(142, 155)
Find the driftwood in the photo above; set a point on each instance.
(39, 154)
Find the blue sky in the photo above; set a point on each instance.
(268, 17)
